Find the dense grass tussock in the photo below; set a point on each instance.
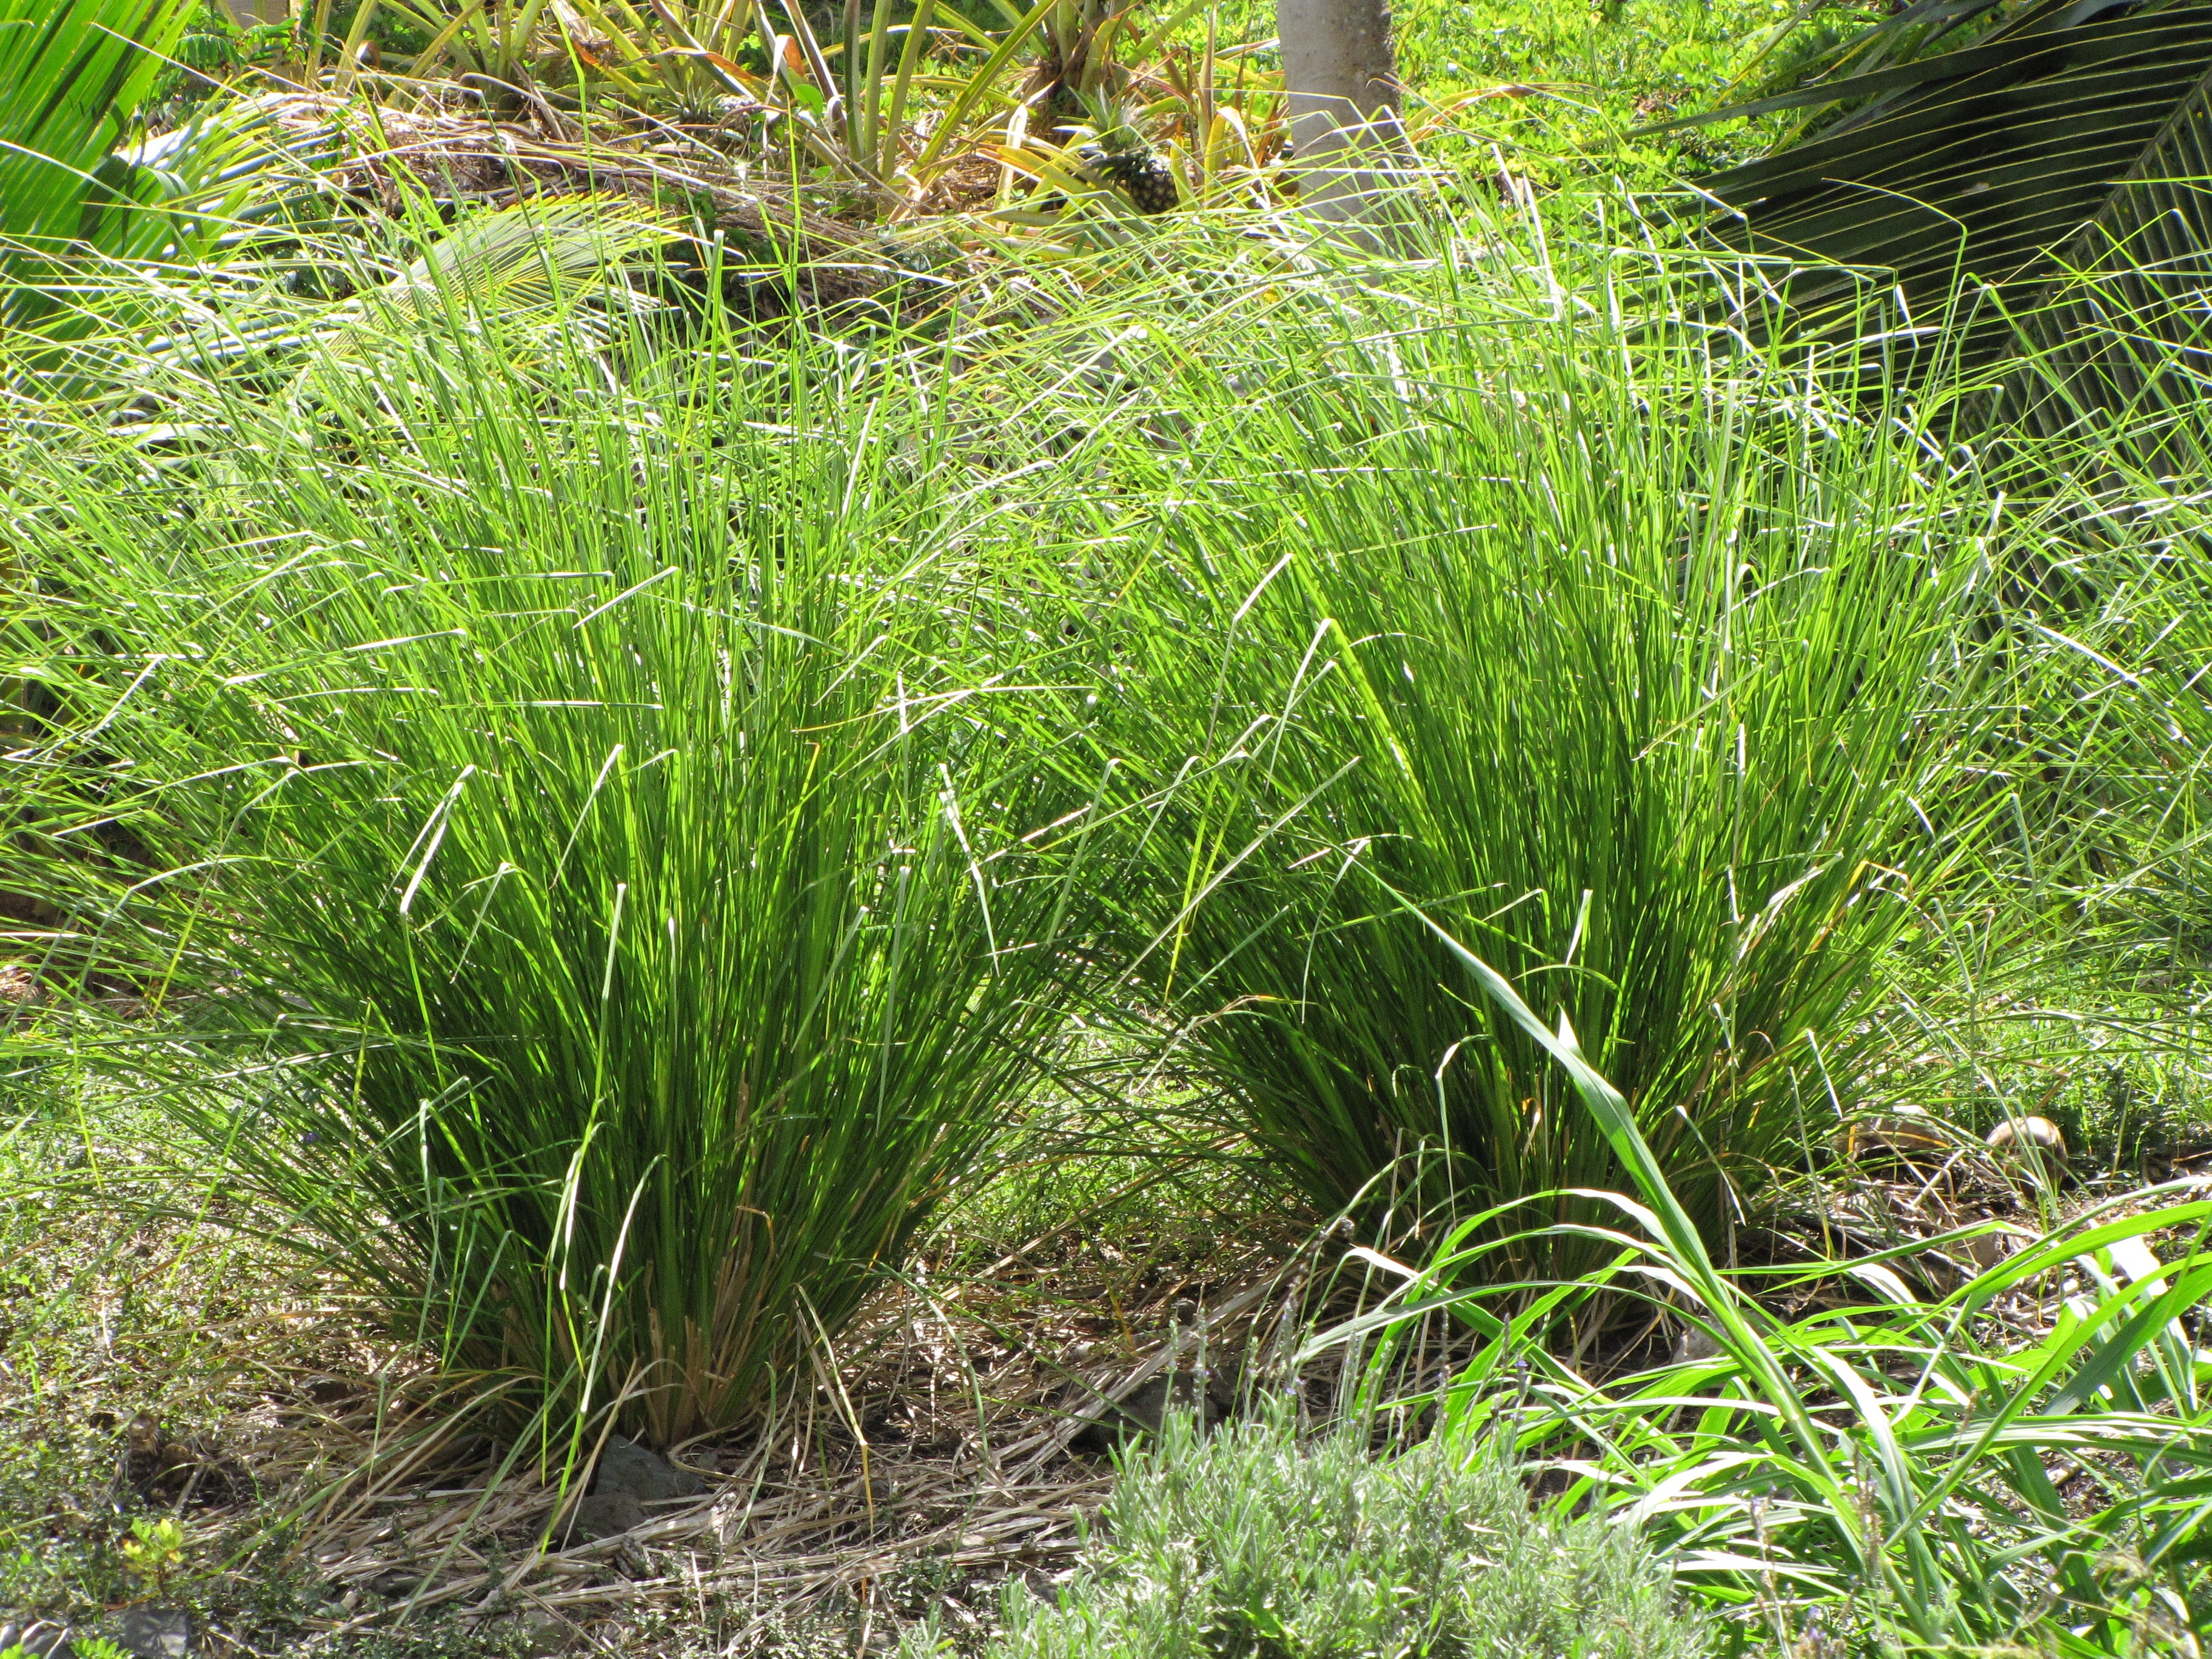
(580, 767)
(1257, 1542)
(593, 816)
(578, 897)
(1642, 663)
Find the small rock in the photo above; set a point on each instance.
(626, 1470)
(39, 1639)
(2038, 1132)
(1986, 1250)
(546, 1632)
(1110, 1422)
(1043, 1585)
(1693, 1343)
(156, 1633)
(1907, 1133)
(606, 1515)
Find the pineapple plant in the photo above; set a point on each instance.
(1112, 148)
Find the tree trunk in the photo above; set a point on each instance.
(1346, 138)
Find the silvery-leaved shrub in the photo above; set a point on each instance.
(1254, 1544)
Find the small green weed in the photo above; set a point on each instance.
(154, 1553)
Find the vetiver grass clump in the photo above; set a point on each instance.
(1637, 659)
(1254, 1542)
(568, 894)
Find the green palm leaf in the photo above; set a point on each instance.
(2115, 351)
(524, 256)
(1991, 164)
(72, 71)
(548, 269)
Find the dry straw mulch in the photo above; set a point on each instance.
(937, 1436)
(378, 152)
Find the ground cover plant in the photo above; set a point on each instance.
(1883, 1473)
(800, 735)
(176, 1342)
(1319, 1548)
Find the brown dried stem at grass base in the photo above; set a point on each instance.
(940, 1435)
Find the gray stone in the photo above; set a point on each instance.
(545, 1632)
(626, 1470)
(606, 1515)
(1110, 1422)
(1694, 1344)
(39, 1639)
(156, 1633)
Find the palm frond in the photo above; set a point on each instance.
(74, 72)
(2118, 349)
(546, 268)
(1985, 164)
(522, 256)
